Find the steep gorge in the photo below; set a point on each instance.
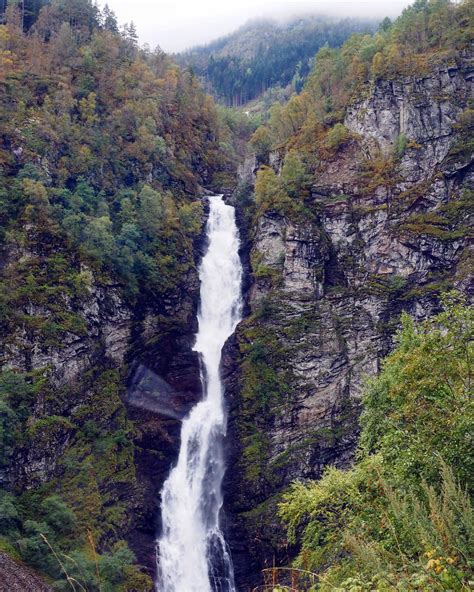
(97, 378)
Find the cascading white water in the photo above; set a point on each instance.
(192, 554)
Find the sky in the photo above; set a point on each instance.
(176, 25)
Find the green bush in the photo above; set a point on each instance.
(57, 515)
(400, 146)
(17, 391)
(423, 388)
(294, 175)
(337, 136)
(402, 517)
(10, 520)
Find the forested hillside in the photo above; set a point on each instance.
(265, 54)
(96, 131)
(425, 37)
(104, 149)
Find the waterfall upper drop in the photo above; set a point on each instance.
(192, 554)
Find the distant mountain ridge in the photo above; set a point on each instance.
(265, 53)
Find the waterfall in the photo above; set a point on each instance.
(192, 554)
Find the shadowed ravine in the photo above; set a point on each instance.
(192, 554)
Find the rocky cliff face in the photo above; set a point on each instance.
(388, 232)
(15, 577)
(112, 377)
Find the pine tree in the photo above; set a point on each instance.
(109, 20)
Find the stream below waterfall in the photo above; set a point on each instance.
(192, 554)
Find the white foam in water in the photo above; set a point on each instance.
(192, 554)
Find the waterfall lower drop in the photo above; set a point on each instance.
(192, 554)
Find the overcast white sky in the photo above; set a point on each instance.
(175, 25)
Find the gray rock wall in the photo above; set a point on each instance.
(327, 295)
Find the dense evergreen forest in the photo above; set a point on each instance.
(97, 131)
(266, 54)
(28, 11)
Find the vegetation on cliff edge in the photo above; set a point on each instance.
(402, 517)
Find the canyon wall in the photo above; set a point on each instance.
(108, 392)
(387, 231)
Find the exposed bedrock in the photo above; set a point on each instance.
(327, 294)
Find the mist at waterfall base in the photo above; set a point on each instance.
(192, 554)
